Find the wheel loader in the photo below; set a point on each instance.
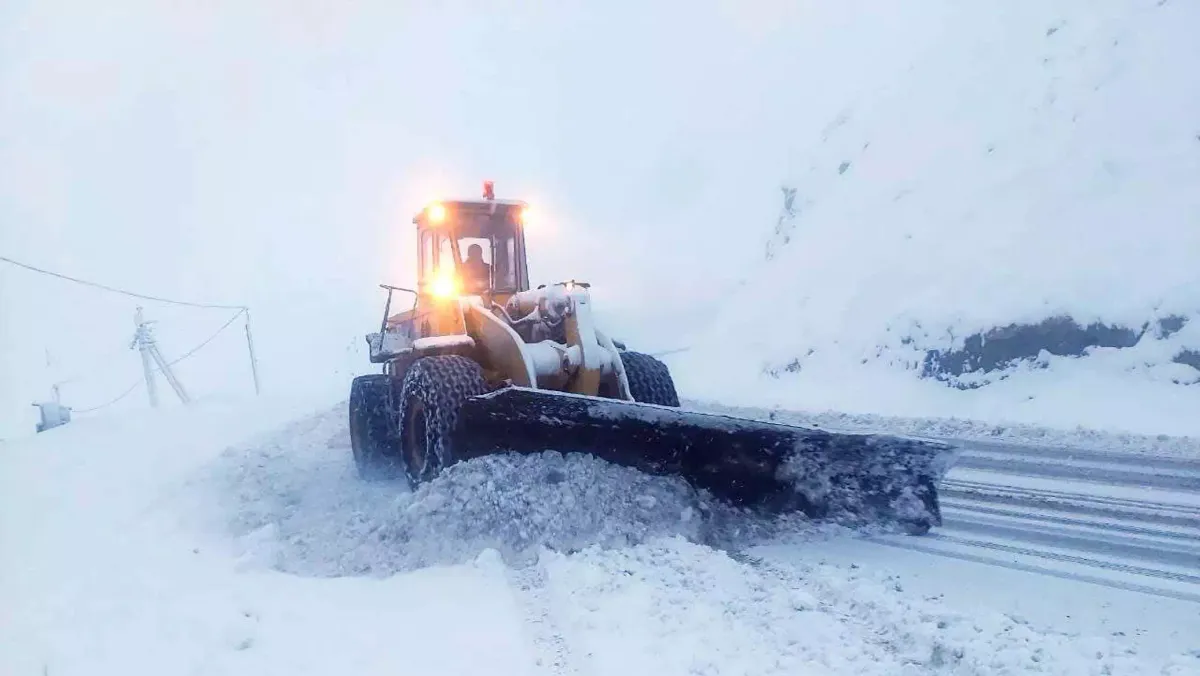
(482, 363)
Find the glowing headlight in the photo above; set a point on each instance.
(437, 213)
(525, 216)
(445, 284)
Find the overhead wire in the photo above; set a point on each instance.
(114, 289)
(110, 402)
(208, 340)
(241, 309)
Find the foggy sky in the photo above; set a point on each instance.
(272, 154)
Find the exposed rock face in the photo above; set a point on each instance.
(1002, 347)
(1189, 357)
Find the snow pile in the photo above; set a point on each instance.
(1005, 230)
(565, 503)
(296, 504)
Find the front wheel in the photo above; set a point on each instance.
(372, 427)
(434, 390)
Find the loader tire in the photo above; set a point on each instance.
(373, 438)
(433, 391)
(650, 380)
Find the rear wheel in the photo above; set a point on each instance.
(650, 380)
(433, 391)
(373, 427)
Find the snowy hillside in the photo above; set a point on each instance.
(1008, 229)
(237, 539)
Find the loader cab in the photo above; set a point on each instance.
(472, 247)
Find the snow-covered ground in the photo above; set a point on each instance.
(236, 538)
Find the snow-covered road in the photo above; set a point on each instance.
(159, 547)
(1118, 511)
(1086, 541)
(1132, 523)
(1077, 465)
(1164, 537)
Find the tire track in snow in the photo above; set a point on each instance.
(1109, 525)
(1040, 570)
(1077, 456)
(1069, 558)
(1067, 470)
(554, 653)
(1146, 513)
(1156, 533)
(977, 490)
(1026, 530)
(1110, 469)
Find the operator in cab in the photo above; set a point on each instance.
(477, 274)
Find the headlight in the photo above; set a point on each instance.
(437, 212)
(445, 284)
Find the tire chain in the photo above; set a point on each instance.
(442, 383)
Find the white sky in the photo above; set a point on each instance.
(272, 154)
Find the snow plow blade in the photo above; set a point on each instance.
(768, 467)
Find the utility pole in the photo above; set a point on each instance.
(169, 374)
(253, 360)
(144, 340)
(141, 340)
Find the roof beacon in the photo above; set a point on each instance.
(489, 190)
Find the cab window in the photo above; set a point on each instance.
(428, 260)
(506, 264)
(486, 262)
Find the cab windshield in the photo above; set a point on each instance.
(486, 262)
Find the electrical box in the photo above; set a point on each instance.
(53, 415)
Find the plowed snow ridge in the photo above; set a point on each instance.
(296, 504)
